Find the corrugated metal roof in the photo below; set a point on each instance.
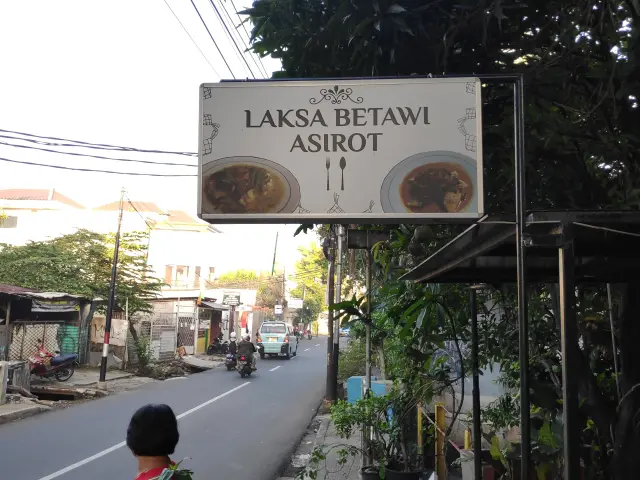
(215, 306)
(54, 296)
(14, 290)
(34, 294)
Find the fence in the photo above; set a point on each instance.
(164, 336)
(165, 332)
(65, 337)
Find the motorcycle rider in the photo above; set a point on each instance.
(233, 346)
(247, 348)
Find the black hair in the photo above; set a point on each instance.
(153, 431)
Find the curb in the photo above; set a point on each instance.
(303, 451)
(24, 413)
(286, 463)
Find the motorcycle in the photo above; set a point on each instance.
(230, 362)
(244, 366)
(218, 347)
(59, 366)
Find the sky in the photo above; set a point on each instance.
(122, 73)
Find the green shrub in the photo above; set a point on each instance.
(143, 351)
(352, 360)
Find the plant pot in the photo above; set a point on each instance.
(399, 475)
(368, 473)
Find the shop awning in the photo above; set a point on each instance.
(214, 306)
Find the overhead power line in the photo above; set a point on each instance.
(60, 167)
(213, 40)
(79, 143)
(231, 37)
(149, 162)
(194, 42)
(138, 212)
(242, 22)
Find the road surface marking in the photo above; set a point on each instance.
(317, 345)
(122, 444)
(306, 349)
(275, 368)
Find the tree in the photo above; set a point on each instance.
(269, 288)
(582, 78)
(581, 63)
(80, 264)
(310, 275)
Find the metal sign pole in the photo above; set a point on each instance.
(523, 321)
(367, 376)
(336, 322)
(331, 384)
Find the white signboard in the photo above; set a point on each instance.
(278, 310)
(247, 297)
(335, 150)
(118, 334)
(295, 303)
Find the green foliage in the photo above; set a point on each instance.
(352, 360)
(582, 76)
(174, 472)
(579, 60)
(310, 276)
(80, 263)
(269, 288)
(143, 350)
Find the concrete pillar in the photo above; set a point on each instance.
(4, 378)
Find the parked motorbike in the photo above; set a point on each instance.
(59, 366)
(230, 361)
(244, 366)
(218, 347)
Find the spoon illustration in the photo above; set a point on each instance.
(328, 166)
(343, 164)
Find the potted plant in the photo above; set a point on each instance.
(393, 448)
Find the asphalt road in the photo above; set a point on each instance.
(229, 427)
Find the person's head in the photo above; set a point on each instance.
(153, 431)
(232, 336)
(248, 338)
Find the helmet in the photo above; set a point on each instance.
(248, 338)
(232, 336)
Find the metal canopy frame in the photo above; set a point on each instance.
(564, 247)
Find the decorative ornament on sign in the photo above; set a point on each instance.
(336, 96)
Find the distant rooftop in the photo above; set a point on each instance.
(146, 207)
(41, 194)
(167, 218)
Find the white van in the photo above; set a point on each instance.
(277, 338)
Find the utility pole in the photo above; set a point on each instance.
(331, 392)
(284, 288)
(112, 295)
(275, 249)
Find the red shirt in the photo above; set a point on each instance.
(152, 474)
